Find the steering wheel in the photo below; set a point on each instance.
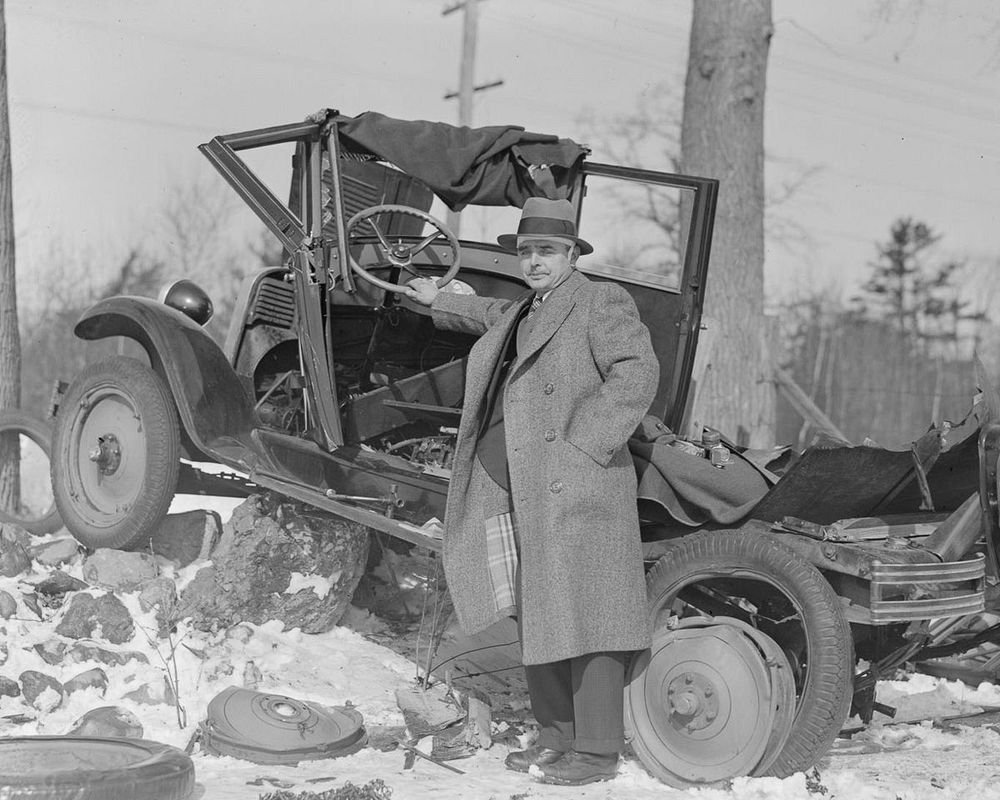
(401, 254)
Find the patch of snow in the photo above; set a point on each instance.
(320, 586)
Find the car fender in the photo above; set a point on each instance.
(212, 402)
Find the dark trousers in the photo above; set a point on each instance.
(579, 702)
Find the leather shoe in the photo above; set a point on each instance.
(576, 768)
(521, 760)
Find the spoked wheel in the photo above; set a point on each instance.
(711, 699)
(29, 502)
(116, 454)
(781, 612)
(400, 254)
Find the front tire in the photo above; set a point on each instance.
(115, 454)
(752, 577)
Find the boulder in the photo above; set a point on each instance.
(88, 616)
(107, 721)
(289, 562)
(8, 605)
(41, 691)
(119, 570)
(187, 536)
(95, 678)
(14, 558)
(4, 652)
(55, 551)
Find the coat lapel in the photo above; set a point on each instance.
(552, 314)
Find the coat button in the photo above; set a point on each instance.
(549, 388)
(555, 487)
(550, 435)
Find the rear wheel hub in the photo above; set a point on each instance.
(107, 455)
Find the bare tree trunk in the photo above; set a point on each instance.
(722, 136)
(10, 341)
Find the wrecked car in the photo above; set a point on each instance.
(333, 389)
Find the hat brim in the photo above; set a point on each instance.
(508, 241)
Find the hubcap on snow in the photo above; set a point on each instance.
(712, 699)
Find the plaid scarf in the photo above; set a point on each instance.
(501, 559)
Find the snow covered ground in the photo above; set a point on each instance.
(908, 761)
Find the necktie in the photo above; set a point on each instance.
(535, 303)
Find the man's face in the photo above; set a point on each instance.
(545, 263)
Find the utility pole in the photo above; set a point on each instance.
(466, 77)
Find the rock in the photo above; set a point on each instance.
(87, 616)
(148, 695)
(9, 687)
(118, 570)
(55, 551)
(14, 558)
(92, 678)
(51, 651)
(160, 595)
(41, 691)
(8, 605)
(85, 651)
(4, 653)
(252, 676)
(59, 583)
(107, 721)
(15, 533)
(298, 565)
(361, 620)
(183, 537)
(241, 633)
(30, 599)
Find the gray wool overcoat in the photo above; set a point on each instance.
(583, 382)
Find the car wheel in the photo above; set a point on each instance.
(782, 601)
(34, 507)
(85, 768)
(116, 454)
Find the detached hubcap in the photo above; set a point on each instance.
(712, 699)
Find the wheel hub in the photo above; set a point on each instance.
(693, 702)
(107, 455)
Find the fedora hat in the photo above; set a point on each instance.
(546, 219)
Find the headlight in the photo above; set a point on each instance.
(188, 298)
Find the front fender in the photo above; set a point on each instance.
(213, 405)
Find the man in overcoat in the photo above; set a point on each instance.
(541, 520)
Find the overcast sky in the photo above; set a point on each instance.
(110, 98)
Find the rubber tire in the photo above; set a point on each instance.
(96, 519)
(824, 701)
(137, 769)
(40, 433)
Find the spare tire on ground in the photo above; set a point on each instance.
(85, 768)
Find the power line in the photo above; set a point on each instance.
(113, 116)
(257, 55)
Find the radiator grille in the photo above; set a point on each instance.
(273, 304)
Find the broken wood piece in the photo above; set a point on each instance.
(428, 709)
(413, 751)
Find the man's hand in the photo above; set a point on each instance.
(422, 290)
